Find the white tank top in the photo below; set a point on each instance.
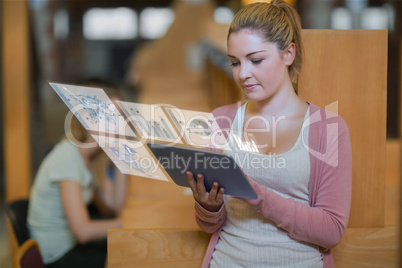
(250, 240)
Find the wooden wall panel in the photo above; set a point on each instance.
(368, 247)
(156, 248)
(16, 99)
(348, 70)
(400, 176)
(15, 103)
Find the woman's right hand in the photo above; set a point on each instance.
(211, 201)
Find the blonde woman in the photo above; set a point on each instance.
(303, 204)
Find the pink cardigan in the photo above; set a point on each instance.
(325, 219)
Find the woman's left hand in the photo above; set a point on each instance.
(211, 201)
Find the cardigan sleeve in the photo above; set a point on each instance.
(208, 221)
(324, 222)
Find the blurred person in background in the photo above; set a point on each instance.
(77, 195)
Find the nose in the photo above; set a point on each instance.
(244, 71)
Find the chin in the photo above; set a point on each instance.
(256, 97)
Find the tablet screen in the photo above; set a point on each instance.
(177, 160)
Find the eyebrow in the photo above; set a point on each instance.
(249, 54)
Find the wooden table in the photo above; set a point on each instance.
(159, 228)
(158, 204)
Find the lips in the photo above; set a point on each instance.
(249, 87)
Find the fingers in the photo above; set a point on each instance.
(213, 199)
(219, 197)
(213, 192)
(192, 183)
(200, 185)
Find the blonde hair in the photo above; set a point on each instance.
(77, 130)
(277, 22)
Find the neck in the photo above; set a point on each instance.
(87, 154)
(279, 104)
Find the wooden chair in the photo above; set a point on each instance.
(28, 255)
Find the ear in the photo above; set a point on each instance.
(289, 54)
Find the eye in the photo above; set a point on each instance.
(256, 61)
(234, 64)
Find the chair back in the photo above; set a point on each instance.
(28, 255)
(17, 211)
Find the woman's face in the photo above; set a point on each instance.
(257, 66)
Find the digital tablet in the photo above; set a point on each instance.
(176, 160)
